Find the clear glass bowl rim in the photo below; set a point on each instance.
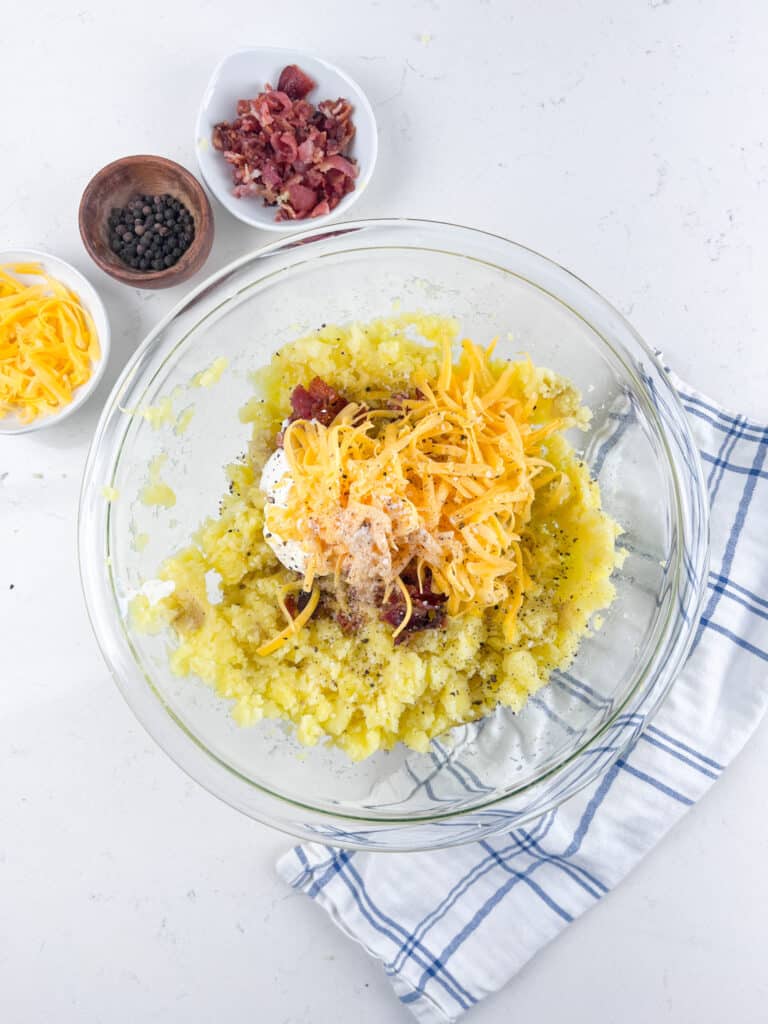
(164, 726)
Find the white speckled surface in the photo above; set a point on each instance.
(625, 139)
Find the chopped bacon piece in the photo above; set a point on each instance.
(321, 209)
(294, 82)
(303, 199)
(349, 621)
(428, 611)
(270, 174)
(397, 400)
(306, 150)
(338, 163)
(296, 604)
(285, 146)
(288, 152)
(320, 401)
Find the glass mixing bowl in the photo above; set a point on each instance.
(478, 779)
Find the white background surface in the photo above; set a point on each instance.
(626, 140)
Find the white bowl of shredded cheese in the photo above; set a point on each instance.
(59, 368)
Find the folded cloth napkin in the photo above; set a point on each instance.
(452, 926)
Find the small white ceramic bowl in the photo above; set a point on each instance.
(242, 75)
(89, 297)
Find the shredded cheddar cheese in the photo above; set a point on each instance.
(48, 343)
(294, 625)
(447, 480)
(408, 608)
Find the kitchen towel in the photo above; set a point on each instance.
(452, 926)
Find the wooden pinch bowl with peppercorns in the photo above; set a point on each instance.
(122, 182)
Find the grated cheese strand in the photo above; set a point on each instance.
(408, 608)
(449, 482)
(294, 625)
(48, 343)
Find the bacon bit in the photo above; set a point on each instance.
(320, 402)
(288, 152)
(349, 621)
(352, 613)
(295, 83)
(397, 400)
(428, 610)
(297, 603)
(349, 615)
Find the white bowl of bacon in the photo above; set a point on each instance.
(283, 136)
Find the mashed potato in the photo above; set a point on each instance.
(361, 691)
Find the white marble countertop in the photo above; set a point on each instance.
(625, 139)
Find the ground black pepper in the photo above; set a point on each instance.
(151, 232)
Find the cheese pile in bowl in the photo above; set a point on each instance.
(410, 542)
(48, 343)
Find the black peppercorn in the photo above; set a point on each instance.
(150, 232)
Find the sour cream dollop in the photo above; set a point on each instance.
(276, 482)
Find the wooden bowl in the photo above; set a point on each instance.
(119, 182)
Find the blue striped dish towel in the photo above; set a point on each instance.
(452, 926)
